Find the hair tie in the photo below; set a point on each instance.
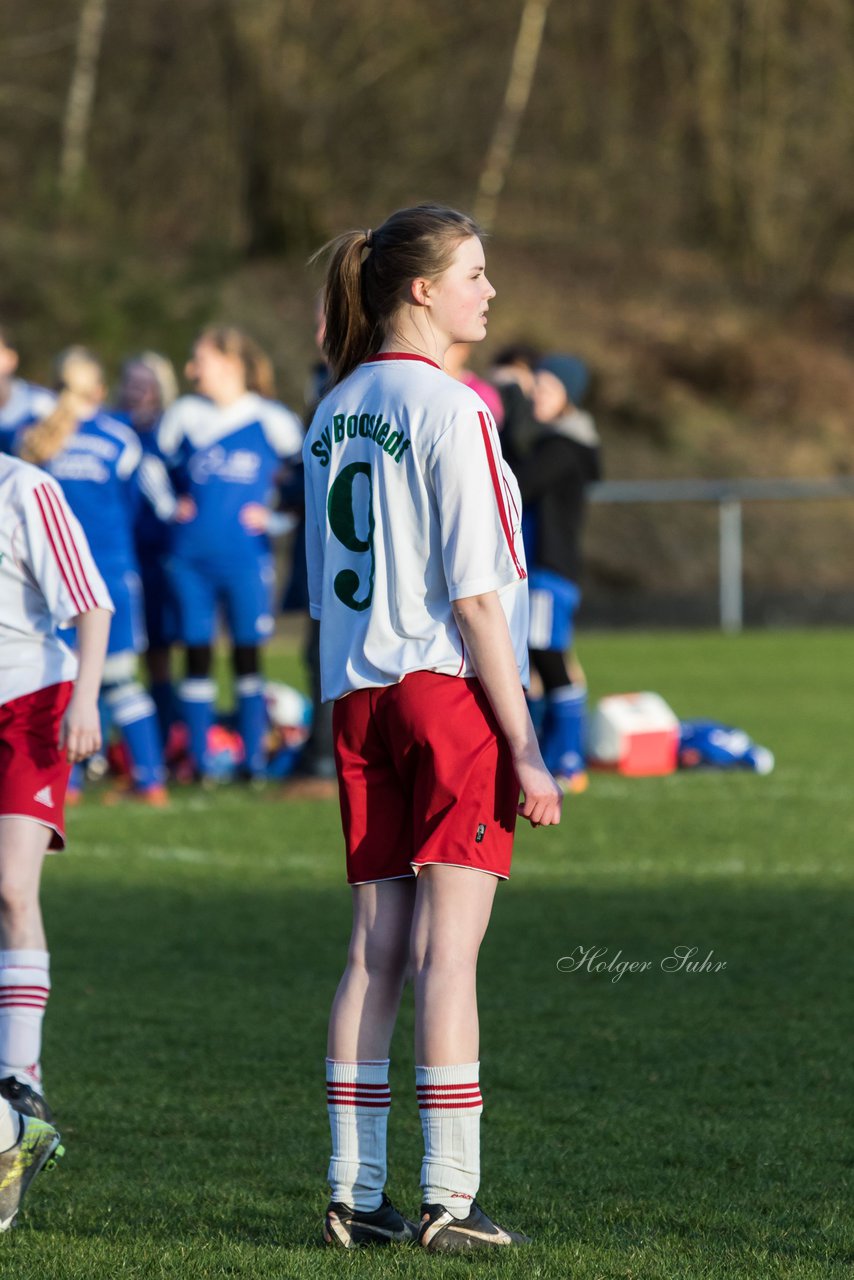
(369, 239)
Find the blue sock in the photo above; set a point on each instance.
(197, 707)
(563, 737)
(252, 722)
(163, 697)
(134, 715)
(537, 708)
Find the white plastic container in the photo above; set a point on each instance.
(636, 734)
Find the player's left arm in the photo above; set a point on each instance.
(483, 627)
(80, 734)
(283, 430)
(284, 433)
(59, 560)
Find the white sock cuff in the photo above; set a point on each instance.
(460, 1073)
(197, 689)
(444, 1090)
(569, 693)
(359, 1086)
(25, 959)
(370, 1071)
(249, 686)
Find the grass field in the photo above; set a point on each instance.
(666, 1125)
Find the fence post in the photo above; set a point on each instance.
(731, 592)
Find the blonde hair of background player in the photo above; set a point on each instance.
(79, 379)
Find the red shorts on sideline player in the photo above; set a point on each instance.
(425, 776)
(33, 770)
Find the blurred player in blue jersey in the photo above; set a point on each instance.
(97, 461)
(225, 446)
(147, 387)
(21, 403)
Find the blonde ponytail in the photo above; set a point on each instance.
(79, 377)
(362, 294)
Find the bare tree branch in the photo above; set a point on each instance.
(516, 95)
(81, 96)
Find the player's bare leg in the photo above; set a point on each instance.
(23, 845)
(452, 911)
(24, 962)
(366, 1002)
(360, 1029)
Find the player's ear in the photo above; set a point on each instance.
(419, 291)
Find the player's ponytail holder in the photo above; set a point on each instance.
(369, 239)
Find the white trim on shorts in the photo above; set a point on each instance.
(381, 880)
(51, 826)
(439, 862)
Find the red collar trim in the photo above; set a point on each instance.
(402, 355)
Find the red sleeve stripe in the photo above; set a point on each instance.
(499, 498)
(60, 538)
(62, 519)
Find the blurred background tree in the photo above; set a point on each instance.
(676, 202)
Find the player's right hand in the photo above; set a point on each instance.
(185, 510)
(80, 734)
(542, 797)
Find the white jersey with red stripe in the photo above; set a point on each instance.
(47, 577)
(409, 506)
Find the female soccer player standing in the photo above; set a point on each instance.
(47, 579)
(416, 571)
(225, 446)
(99, 464)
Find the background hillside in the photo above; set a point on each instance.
(677, 209)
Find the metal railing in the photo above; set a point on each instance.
(730, 496)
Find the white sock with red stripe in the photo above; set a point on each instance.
(358, 1100)
(451, 1106)
(10, 1126)
(24, 989)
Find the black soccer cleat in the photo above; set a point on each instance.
(24, 1099)
(352, 1228)
(441, 1232)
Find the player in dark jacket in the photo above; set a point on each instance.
(554, 473)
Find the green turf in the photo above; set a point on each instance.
(664, 1125)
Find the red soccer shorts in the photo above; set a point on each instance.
(33, 771)
(424, 776)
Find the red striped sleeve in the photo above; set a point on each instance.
(497, 485)
(80, 571)
(64, 549)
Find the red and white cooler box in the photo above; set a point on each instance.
(636, 734)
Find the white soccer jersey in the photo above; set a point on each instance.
(202, 423)
(409, 506)
(47, 577)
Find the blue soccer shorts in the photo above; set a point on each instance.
(242, 589)
(553, 602)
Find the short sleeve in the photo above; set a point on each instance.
(282, 428)
(313, 549)
(172, 429)
(59, 556)
(130, 456)
(478, 522)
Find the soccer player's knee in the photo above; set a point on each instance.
(17, 896)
